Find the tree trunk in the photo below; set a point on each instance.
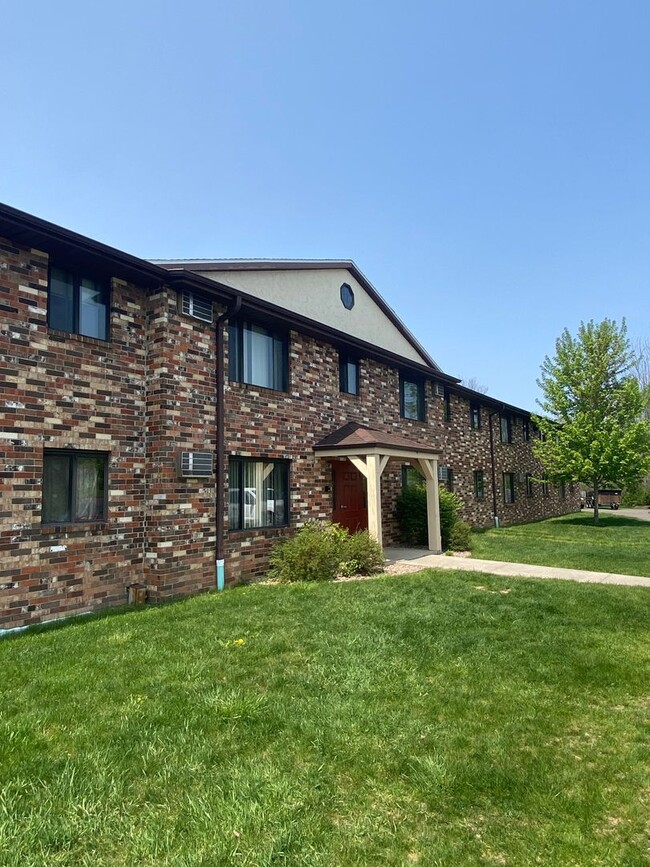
(596, 486)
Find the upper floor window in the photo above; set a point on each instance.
(258, 355)
(508, 487)
(475, 415)
(526, 430)
(74, 486)
(506, 429)
(259, 493)
(77, 303)
(348, 374)
(412, 398)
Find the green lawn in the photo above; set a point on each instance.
(429, 719)
(615, 544)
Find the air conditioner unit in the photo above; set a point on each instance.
(195, 464)
(443, 474)
(197, 307)
(438, 389)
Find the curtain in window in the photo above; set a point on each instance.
(90, 488)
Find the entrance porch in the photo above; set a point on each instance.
(369, 451)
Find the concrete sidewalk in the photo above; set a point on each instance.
(417, 558)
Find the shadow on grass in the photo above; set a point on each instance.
(605, 520)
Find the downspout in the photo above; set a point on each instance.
(494, 473)
(231, 310)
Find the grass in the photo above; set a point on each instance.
(615, 544)
(430, 719)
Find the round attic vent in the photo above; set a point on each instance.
(347, 296)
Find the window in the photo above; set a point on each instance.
(348, 374)
(74, 486)
(412, 399)
(529, 485)
(545, 487)
(77, 304)
(506, 428)
(450, 479)
(475, 415)
(411, 477)
(562, 490)
(479, 484)
(508, 487)
(526, 430)
(447, 410)
(347, 296)
(258, 356)
(259, 493)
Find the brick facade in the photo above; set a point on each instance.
(149, 392)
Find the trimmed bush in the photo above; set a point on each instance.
(449, 508)
(313, 554)
(320, 551)
(411, 513)
(361, 555)
(461, 537)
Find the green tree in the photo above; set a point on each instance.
(593, 430)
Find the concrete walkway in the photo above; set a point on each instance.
(416, 558)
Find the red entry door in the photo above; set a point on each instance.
(350, 501)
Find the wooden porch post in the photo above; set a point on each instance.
(429, 469)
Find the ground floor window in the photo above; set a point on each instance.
(529, 485)
(74, 486)
(508, 487)
(411, 477)
(259, 493)
(479, 484)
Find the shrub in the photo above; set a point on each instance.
(321, 551)
(361, 555)
(313, 554)
(449, 508)
(411, 513)
(461, 536)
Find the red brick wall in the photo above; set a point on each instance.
(58, 391)
(148, 394)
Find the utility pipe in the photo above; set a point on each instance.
(231, 310)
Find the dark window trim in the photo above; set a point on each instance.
(240, 461)
(526, 429)
(236, 358)
(508, 419)
(474, 408)
(344, 361)
(77, 276)
(529, 485)
(422, 410)
(75, 454)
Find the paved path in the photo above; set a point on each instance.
(642, 513)
(417, 558)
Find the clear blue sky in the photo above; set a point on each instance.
(485, 163)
